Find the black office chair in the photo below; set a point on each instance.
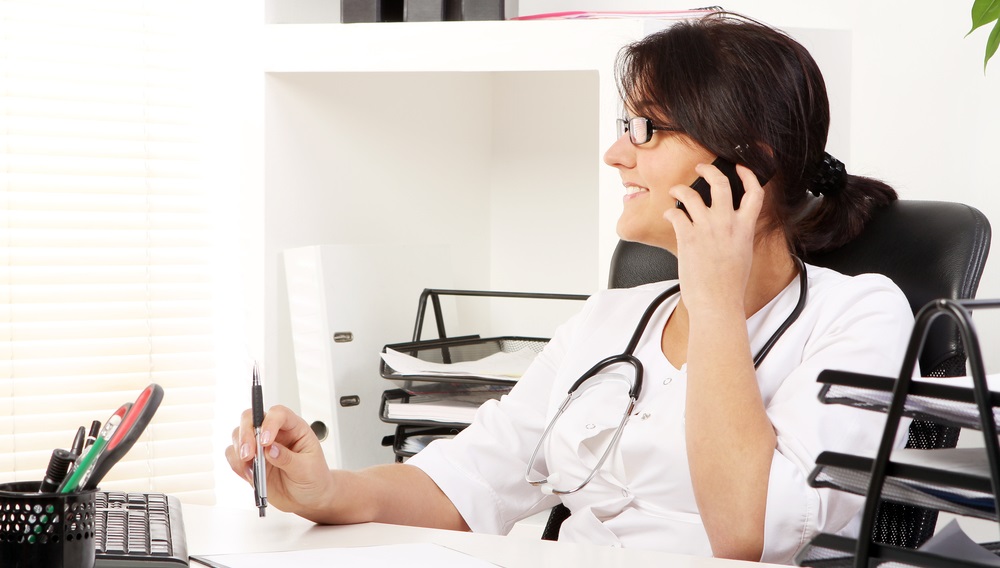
(931, 250)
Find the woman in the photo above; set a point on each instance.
(715, 455)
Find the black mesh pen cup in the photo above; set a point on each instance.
(51, 530)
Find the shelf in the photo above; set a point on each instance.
(450, 46)
(401, 397)
(399, 440)
(460, 350)
(916, 477)
(948, 401)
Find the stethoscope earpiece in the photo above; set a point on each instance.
(551, 481)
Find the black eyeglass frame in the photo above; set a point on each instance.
(643, 124)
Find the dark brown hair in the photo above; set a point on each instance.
(730, 82)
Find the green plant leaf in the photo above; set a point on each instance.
(991, 44)
(984, 12)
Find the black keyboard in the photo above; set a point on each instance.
(139, 530)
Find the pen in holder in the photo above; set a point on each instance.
(54, 530)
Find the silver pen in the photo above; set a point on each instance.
(259, 465)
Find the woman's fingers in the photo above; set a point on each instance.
(753, 199)
(237, 464)
(280, 424)
(722, 193)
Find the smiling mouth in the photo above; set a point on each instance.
(634, 190)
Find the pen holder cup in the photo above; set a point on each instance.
(54, 530)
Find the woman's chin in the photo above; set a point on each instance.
(662, 240)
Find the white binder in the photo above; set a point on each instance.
(370, 292)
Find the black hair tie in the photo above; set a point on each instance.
(830, 178)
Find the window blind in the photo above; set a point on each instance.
(105, 267)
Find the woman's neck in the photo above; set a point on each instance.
(772, 270)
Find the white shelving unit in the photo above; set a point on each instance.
(486, 137)
(496, 129)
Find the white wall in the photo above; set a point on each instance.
(923, 116)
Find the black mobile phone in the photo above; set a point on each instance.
(705, 191)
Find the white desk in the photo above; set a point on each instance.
(217, 530)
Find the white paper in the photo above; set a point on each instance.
(501, 366)
(952, 542)
(439, 408)
(424, 555)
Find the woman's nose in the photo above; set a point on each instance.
(621, 154)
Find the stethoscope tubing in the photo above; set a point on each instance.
(628, 357)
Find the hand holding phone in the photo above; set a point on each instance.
(728, 168)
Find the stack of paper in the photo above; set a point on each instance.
(439, 408)
(414, 444)
(501, 366)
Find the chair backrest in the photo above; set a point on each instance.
(931, 250)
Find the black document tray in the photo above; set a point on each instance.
(393, 395)
(457, 350)
(936, 401)
(910, 484)
(398, 439)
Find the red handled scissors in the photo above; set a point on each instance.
(132, 426)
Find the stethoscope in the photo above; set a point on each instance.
(629, 359)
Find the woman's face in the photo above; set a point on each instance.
(648, 172)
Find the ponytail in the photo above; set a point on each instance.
(846, 205)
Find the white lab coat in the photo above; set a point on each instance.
(643, 495)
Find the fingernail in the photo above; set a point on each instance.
(273, 451)
(265, 437)
(244, 451)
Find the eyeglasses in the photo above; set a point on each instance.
(640, 129)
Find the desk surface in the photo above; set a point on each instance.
(219, 530)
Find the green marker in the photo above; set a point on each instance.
(86, 464)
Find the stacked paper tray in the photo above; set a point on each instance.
(944, 400)
(955, 480)
(462, 359)
(455, 408)
(407, 440)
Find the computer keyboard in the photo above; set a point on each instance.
(139, 530)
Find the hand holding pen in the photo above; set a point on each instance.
(297, 474)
